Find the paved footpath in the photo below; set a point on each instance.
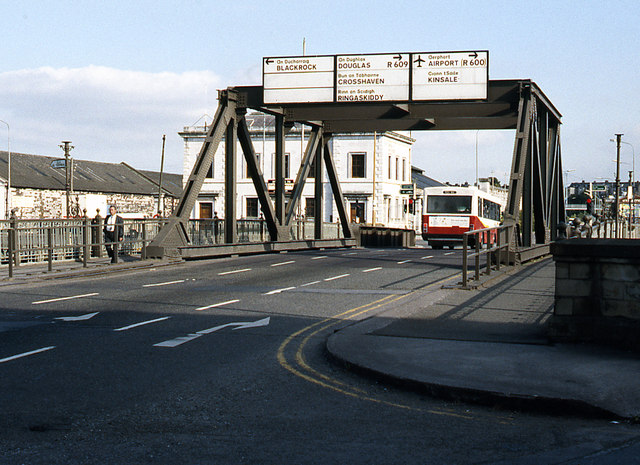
(489, 345)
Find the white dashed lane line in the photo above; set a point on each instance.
(278, 291)
(319, 258)
(234, 271)
(427, 257)
(59, 299)
(403, 261)
(219, 304)
(142, 323)
(284, 263)
(449, 253)
(26, 354)
(167, 283)
(337, 277)
(372, 269)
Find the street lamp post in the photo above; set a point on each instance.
(618, 140)
(477, 185)
(8, 199)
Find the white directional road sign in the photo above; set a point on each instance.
(298, 79)
(372, 78)
(450, 75)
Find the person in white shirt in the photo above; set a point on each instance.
(113, 232)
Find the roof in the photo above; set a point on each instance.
(422, 181)
(36, 172)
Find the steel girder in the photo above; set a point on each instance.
(535, 200)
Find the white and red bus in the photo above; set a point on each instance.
(449, 212)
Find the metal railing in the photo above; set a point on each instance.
(53, 240)
(490, 242)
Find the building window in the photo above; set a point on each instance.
(252, 207)
(404, 168)
(310, 207)
(286, 165)
(389, 167)
(358, 165)
(210, 171)
(245, 166)
(397, 174)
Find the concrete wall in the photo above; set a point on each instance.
(597, 291)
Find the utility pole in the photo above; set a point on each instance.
(617, 206)
(68, 165)
(164, 136)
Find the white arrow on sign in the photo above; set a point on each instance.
(77, 318)
(239, 325)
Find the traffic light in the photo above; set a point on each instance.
(411, 206)
(589, 206)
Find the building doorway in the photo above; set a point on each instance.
(206, 210)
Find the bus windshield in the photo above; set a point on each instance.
(449, 204)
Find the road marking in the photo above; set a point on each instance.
(284, 263)
(311, 283)
(372, 269)
(319, 258)
(219, 304)
(142, 323)
(337, 277)
(234, 271)
(299, 367)
(404, 261)
(164, 284)
(26, 354)
(240, 325)
(427, 257)
(77, 318)
(64, 298)
(278, 291)
(449, 253)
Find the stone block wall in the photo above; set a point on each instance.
(597, 291)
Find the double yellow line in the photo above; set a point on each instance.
(298, 365)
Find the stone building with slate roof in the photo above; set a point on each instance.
(38, 188)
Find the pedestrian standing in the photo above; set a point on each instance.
(113, 233)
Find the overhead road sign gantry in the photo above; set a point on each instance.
(450, 75)
(302, 79)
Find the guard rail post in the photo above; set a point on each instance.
(10, 249)
(143, 253)
(465, 243)
(50, 248)
(13, 226)
(477, 257)
(85, 239)
(489, 252)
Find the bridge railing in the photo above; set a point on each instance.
(80, 239)
(492, 243)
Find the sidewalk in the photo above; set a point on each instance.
(70, 268)
(489, 345)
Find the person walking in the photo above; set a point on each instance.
(113, 233)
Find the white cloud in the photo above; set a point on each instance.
(109, 114)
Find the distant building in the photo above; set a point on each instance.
(371, 167)
(38, 188)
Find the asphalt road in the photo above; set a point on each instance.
(223, 361)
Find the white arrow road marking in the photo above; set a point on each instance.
(219, 304)
(142, 323)
(337, 277)
(77, 318)
(372, 269)
(63, 298)
(278, 291)
(164, 284)
(26, 354)
(284, 263)
(240, 325)
(234, 271)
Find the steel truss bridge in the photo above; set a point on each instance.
(535, 203)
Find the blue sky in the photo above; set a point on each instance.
(114, 76)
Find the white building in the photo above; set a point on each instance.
(371, 168)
